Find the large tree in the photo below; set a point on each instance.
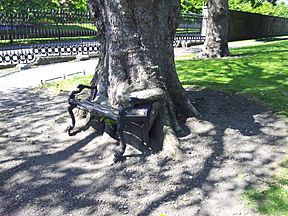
(137, 59)
(216, 41)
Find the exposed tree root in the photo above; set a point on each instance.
(192, 110)
(171, 144)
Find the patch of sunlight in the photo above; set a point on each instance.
(186, 57)
(260, 88)
(69, 84)
(261, 72)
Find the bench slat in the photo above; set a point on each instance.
(105, 110)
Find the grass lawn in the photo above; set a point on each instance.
(272, 200)
(68, 84)
(260, 72)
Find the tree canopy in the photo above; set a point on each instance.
(192, 6)
(266, 7)
(259, 6)
(19, 6)
(216, 38)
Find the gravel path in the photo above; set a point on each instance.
(236, 144)
(180, 51)
(11, 79)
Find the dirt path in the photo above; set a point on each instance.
(180, 51)
(235, 145)
(12, 78)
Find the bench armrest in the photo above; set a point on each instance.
(80, 89)
(136, 101)
(133, 103)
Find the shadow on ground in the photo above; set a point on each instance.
(44, 172)
(269, 39)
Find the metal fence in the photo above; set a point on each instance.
(189, 30)
(60, 32)
(51, 25)
(190, 24)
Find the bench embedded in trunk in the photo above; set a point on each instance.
(138, 112)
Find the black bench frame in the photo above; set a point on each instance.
(122, 117)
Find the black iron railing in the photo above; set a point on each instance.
(35, 26)
(191, 24)
(25, 36)
(53, 25)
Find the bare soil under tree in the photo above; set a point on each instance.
(236, 144)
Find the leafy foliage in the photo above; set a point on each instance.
(74, 5)
(192, 6)
(266, 7)
(21, 6)
(8, 6)
(259, 6)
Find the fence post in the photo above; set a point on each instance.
(204, 20)
(10, 30)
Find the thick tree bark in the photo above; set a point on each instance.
(137, 59)
(216, 42)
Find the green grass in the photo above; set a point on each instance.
(186, 31)
(258, 71)
(67, 85)
(272, 200)
(71, 26)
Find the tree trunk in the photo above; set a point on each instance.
(216, 42)
(137, 59)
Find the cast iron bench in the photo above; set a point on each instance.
(138, 112)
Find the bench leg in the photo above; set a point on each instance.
(118, 156)
(145, 140)
(70, 127)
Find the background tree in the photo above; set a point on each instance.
(216, 41)
(137, 60)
